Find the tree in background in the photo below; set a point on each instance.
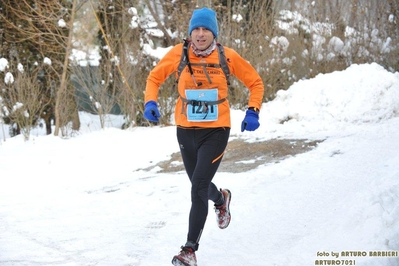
(284, 40)
(34, 40)
(123, 63)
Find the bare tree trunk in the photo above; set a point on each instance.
(35, 38)
(393, 17)
(155, 14)
(63, 85)
(204, 3)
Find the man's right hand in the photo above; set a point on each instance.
(151, 112)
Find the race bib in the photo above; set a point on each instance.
(201, 105)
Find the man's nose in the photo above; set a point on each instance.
(201, 31)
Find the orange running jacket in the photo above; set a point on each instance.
(213, 78)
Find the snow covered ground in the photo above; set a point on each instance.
(87, 200)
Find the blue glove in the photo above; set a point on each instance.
(251, 121)
(151, 112)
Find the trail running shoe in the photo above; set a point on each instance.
(223, 215)
(186, 257)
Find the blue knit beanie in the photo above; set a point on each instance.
(205, 18)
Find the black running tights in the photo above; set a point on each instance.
(202, 150)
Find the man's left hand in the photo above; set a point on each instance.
(251, 121)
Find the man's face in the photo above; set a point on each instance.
(202, 38)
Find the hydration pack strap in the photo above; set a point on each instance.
(185, 61)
